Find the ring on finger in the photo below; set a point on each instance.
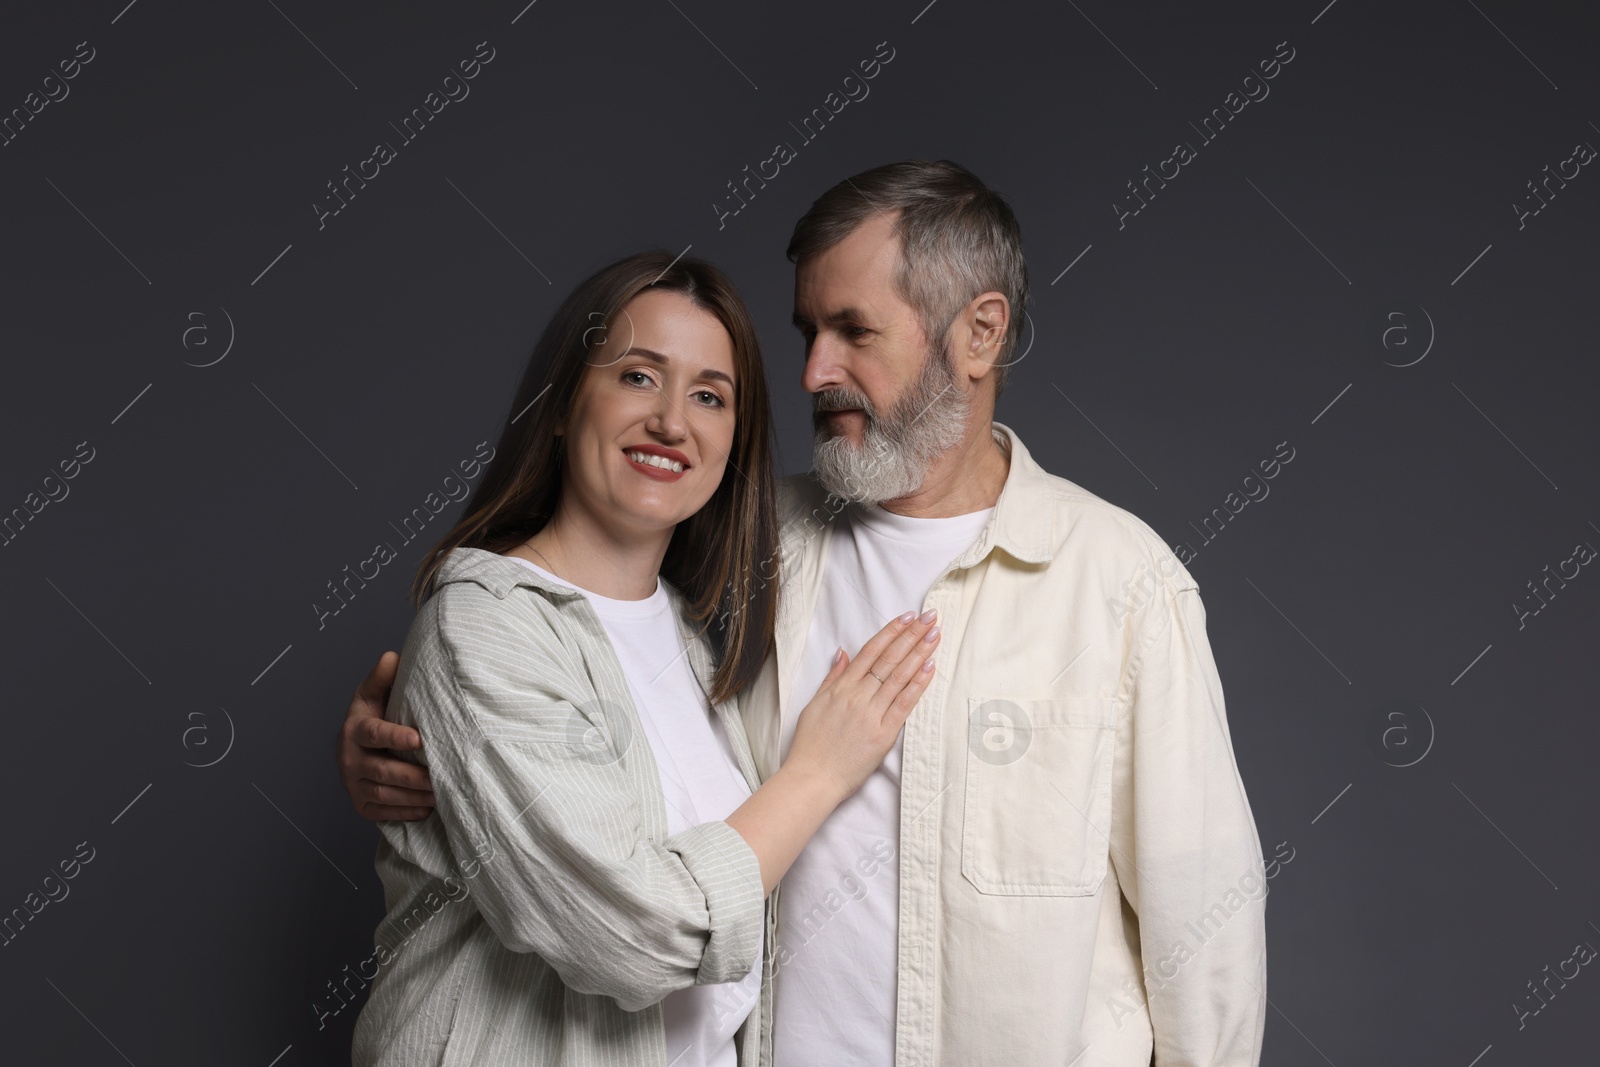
(880, 680)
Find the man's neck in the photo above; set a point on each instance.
(966, 478)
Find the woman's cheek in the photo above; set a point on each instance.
(716, 468)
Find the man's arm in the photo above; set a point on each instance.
(381, 786)
(1187, 853)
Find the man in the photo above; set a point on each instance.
(1057, 863)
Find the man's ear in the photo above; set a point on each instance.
(987, 319)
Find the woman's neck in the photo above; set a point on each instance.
(596, 559)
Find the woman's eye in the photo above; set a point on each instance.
(636, 374)
(715, 399)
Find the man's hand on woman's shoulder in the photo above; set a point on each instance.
(380, 785)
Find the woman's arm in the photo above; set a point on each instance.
(502, 706)
(841, 737)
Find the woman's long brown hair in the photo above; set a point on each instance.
(723, 558)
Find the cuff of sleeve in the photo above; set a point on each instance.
(727, 871)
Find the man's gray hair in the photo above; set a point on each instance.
(958, 238)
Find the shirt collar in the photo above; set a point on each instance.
(495, 572)
(500, 575)
(1022, 523)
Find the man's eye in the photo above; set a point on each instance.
(856, 331)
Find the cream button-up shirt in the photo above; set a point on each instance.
(1081, 881)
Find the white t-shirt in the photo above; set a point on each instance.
(701, 781)
(839, 909)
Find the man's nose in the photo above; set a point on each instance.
(823, 369)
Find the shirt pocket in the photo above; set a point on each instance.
(1037, 811)
(462, 1036)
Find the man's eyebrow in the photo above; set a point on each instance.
(844, 314)
(706, 373)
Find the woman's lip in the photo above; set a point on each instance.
(673, 454)
(658, 473)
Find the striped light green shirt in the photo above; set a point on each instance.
(542, 912)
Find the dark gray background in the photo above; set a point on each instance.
(163, 610)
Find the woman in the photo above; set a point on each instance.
(590, 889)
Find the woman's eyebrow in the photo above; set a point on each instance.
(706, 373)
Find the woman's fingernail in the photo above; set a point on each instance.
(928, 664)
(928, 616)
(907, 617)
(932, 635)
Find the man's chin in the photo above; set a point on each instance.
(854, 485)
(847, 424)
(848, 490)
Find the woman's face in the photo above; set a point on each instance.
(658, 391)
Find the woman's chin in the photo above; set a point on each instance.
(664, 517)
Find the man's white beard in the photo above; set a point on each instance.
(898, 447)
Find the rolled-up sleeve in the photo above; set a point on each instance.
(1186, 849)
(534, 792)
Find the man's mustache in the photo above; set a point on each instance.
(839, 401)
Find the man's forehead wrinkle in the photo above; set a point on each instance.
(833, 314)
(835, 299)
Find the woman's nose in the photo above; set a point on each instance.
(667, 420)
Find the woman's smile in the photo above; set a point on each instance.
(653, 461)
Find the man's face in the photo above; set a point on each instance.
(886, 402)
